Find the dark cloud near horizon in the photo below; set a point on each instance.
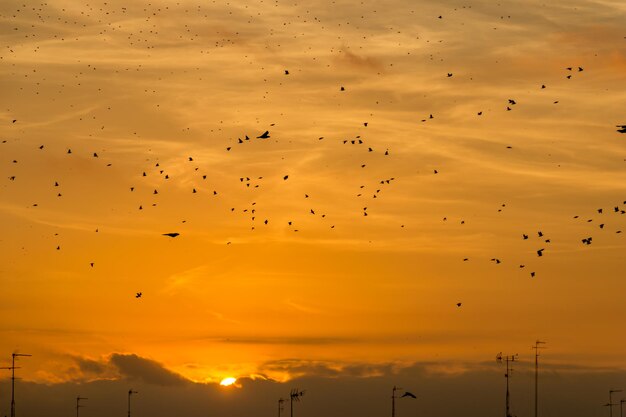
(134, 367)
(122, 367)
(477, 392)
(326, 369)
(90, 366)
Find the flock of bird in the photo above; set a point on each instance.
(358, 143)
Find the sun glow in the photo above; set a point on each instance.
(228, 381)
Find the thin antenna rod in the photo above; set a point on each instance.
(537, 347)
(13, 368)
(509, 370)
(78, 403)
(130, 392)
(280, 405)
(294, 395)
(610, 404)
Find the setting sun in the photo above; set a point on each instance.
(228, 381)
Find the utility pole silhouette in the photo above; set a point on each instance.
(78, 406)
(130, 392)
(280, 405)
(508, 359)
(294, 395)
(13, 356)
(610, 405)
(537, 347)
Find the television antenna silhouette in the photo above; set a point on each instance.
(281, 401)
(78, 406)
(508, 359)
(610, 404)
(393, 398)
(130, 392)
(537, 347)
(13, 368)
(295, 395)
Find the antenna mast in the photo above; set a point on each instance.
(78, 403)
(393, 400)
(537, 347)
(280, 405)
(509, 369)
(130, 392)
(13, 368)
(610, 404)
(294, 395)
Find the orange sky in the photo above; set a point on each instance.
(177, 83)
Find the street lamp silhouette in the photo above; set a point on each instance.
(78, 403)
(130, 392)
(13, 368)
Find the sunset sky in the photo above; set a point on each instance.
(420, 154)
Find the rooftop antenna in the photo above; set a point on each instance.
(610, 404)
(537, 347)
(130, 392)
(295, 395)
(13, 368)
(393, 399)
(280, 405)
(78, 403)
(508, 359)
(622, 401)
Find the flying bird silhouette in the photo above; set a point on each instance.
(408, 394)
(265, 135)
(173, 234)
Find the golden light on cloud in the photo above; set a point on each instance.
(228, 381)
